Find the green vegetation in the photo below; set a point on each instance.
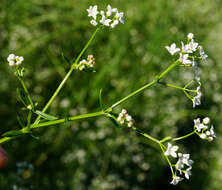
(94, 154)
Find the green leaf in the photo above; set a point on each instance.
(20, 122)
(46, 116)
(100, 100)
(66, 59)
(34, 136)
(29, 119)
(22, 96)
(12, 133)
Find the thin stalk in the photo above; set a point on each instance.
(26, 91)
(177, 87)
(54, 122)
(163, 74)
(145, 135)
(183, 137)
(67, 76)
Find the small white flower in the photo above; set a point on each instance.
(184, 59)
(202, 53)
(171, 150)
(176, 180)
(191, 47)
(110, 10)
(115, 22)
(212, 133)
(206, 120)
(172, 49)
(93, 22)
(197, 98)
(92, 11)
(120, 17)
(203, 136)
(188, 172)
(105, 21)
(14, 60)
(190, 36)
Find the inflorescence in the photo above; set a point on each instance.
(182, 166)
(87, 64)
(110, 18)
(188, 56)
(203, 130)
(15, 60)
(124, 117)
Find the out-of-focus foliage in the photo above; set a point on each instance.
(94, 154)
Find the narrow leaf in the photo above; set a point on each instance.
(20, 122)
(66, 59)
(100, 99)
(12, 133)
(46, 116)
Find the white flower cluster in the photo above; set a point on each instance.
(188, 56)
(109, 18)
(183, 164)
(188, 51)
(85, 64)
(203, 129)
(125, 117)
(14, 60)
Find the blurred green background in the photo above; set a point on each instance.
(93, 154)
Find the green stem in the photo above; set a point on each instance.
(67, 76)
(26, 91)
(183, 137)
(177, 87)
(163, 74)
(145, 135)
(54, 122)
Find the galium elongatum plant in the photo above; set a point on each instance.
(189, 54)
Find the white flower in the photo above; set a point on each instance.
(184, 59)
(190, 36)
(206, 120)
(92, 11)
(124, 116)
(212, 133)
(188, 172)
(110, 10)
(203, 136)
(120, 17)
(172, 49)
(197, 98)
(115, 22)
(176, 180)
(202, 53)
(105, 21)
(171, 150)
(190, 47)
(183, 159)
(93, 22)
(89, 63)
(14, 60)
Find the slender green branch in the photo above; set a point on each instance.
(67, 75)
(163, 74)
(145, 134)
(177, 87)
(26, 91)
(183, 137)
(27, 129)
